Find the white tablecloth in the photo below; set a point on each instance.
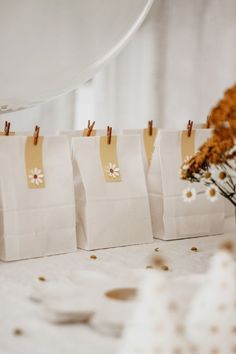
(42, 337)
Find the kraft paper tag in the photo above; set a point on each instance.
(10, 134)
(187, 145)
(149, 143)
(34, 163)
(109, 160)
(93, 132)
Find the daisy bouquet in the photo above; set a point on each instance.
(214, 164)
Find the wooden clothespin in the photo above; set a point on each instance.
(7, 128)
(36, 134)
(90, 128)
(150, 125)
(208, 122)
(109, 133)
(189, 127)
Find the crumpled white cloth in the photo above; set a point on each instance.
(170, 319)
(41, 336)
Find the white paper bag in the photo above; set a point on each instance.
(200, 217)
(36, 221)
(153, 177)
(147, 147)
(155, 192)
(78, 133)
(116, 212)
(139, 132)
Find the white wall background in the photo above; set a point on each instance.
(175, 68)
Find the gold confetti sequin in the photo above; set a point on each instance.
(165, 268)
(93, 256)
(194, 249)
(41, 278)
(17, 332)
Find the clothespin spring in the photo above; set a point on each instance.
(36, 134)
(109, 133)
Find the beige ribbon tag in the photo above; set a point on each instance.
(34, 163)
(187, 145)
(10, 134)
(149, 143)
(109, 160)
(93, 132)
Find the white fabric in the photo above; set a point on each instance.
(211, 319)
(36, 222)
(110, 214)
(190, 313)
(174, 68)
(153, 326)
(181, 219)
(17, 278)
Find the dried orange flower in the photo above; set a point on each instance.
(219, 150)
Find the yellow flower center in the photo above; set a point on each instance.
(212, 192)
(207, 174)
(189, 194)
(222, 175)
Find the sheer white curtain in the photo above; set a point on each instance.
(174, 69)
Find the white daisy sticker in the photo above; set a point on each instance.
(36, 176)
(189, 194)
(212, 193)
(113, 170)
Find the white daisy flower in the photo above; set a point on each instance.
(207, 175)
(113, 170)
(221, 176)
(36, 176)
(212, 193)
(189, 194)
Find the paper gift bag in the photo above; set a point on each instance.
(37, 204)
(111, 195)
(147, 144)
(155, 192)
(79, 133)
(181, 219)
(153, 178)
